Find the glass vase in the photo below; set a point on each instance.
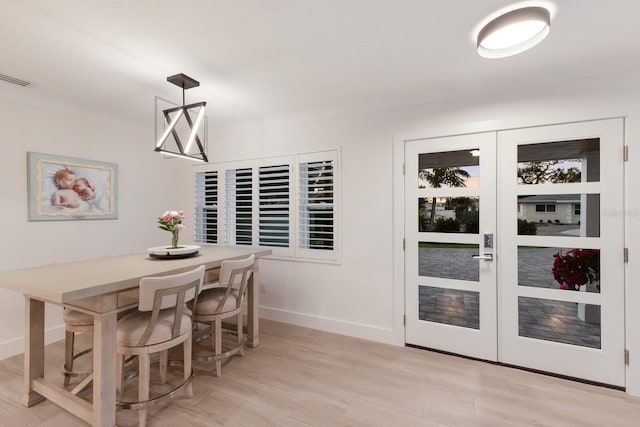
(174, 239)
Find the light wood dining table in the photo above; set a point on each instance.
(103, 287)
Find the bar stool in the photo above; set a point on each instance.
(74, 322)
(160, 323)
(218, 303)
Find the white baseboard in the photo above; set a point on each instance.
(16, 346)
(357, 330)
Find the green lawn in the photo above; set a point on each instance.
(448, 245)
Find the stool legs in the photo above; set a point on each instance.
(69, 341)
(240, 325)
(144, 375)
(70, 356)
(144, 369)
(163, 362)
(119, 374)
(187, 351)
(217, 344)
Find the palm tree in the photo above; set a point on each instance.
(436, 177)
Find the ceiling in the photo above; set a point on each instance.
(273, 62)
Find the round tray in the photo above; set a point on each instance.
(166, 252)
(177, 256)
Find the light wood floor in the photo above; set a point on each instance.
(304, 377)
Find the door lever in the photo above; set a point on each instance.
(486, 257)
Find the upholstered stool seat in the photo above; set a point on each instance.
(209, 300)
(75, 322)
(132, 326)
(76, 318)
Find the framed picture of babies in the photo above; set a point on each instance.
(66, 188)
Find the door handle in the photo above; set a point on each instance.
(486, 257)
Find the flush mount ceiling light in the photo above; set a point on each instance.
(514, 32)
(175, 147)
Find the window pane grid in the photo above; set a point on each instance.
(239, 212)
(273, 211)
(316, 209)
(206, 207)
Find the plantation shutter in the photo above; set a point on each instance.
(206, 204)
(316, 205)
(238, 209)
(288, 204)
(274, 194)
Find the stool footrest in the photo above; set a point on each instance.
(224, 355)
(159, 399)
(68, 373)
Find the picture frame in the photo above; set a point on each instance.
(67, 188)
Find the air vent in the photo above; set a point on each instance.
(13, 80)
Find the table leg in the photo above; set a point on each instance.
(104, 370)
(34, 349)
(253, 315)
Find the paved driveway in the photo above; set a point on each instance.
(551, 320)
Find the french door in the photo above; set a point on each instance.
(450, 218)
(514, 247)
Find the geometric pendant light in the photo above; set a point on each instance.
(514, 32)
(190, 147)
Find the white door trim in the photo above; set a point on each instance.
(399, 226)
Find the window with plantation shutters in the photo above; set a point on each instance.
(317, 205)
(239, 207)
(273, 214)
(288, 204)
(206, 204)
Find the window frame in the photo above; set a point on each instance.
(224, 206)
(333, 254)
(548, 207)
(271, 161)
(577, 209)
(293, 252)
(197, 217)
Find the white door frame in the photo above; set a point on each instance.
(399, 231)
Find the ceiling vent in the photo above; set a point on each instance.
(13, 80)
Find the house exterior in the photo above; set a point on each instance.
(558, 208)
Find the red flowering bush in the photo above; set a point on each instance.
(576, 268)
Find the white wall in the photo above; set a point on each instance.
(355, 297)
(364, 295)
(148, 185)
